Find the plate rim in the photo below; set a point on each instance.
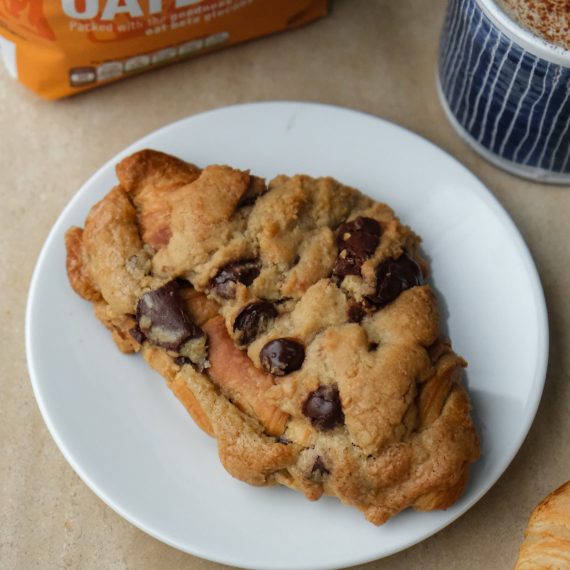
(480, 189)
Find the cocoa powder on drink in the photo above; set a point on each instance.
(548, 19)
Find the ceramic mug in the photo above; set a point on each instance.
(506, 91)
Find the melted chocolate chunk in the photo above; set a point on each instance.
(282, 356)
(163, 320)
(393, 276)
(137, 334)
(357, 240)
(244, 271)
(255, 189)
(323, 408)
(182, 360)
(319, 468)
(373, 346)
(253, 319)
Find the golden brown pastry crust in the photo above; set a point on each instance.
(399, 434)
(546, 544)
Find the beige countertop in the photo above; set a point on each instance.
(375, 56)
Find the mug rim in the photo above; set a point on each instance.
(525, 38)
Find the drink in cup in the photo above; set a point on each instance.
(504, 82)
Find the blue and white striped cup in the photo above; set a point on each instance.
(506, 91)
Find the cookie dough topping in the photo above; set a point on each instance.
(291, 320)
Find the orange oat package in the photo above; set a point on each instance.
(62, 47)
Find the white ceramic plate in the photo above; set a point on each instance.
(134, 445)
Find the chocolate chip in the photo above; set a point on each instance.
(319, 469)
(255, 189)
(282, 356)
(356, 313)
(360, 236)
(163, 320)
(373, 346)
(183, 283)
(244, 271)
(357, 240)
(393, 276)
(182, 360)
(323, 408)
(137, 334)
(253, 319)
(345, 264)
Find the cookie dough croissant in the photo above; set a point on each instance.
(294, 322)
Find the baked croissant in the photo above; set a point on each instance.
(547, 536)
